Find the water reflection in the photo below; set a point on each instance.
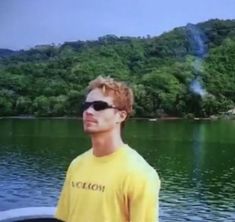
(195, 168)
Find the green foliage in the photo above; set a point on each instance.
(220, 70)
(49, 80)
(23, 105)
(41, 106)
(7, 98)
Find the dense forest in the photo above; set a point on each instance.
(189, 71)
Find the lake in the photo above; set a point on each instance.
(195, 161)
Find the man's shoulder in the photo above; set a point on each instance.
(137, 168)
(136, 162)
(80, 158)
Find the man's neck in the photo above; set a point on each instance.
(105, 144)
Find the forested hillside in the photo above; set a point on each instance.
(49, 80)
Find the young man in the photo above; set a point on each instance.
(110, 182)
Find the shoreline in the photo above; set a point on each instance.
(170, 118)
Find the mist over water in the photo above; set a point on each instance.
(197, 88)
(197, 42)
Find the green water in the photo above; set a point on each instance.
(195, 160)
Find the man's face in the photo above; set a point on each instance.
(102, 120)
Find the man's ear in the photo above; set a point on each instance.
(123, 115)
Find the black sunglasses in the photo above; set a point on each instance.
(97, 105)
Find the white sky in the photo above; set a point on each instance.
(26, 23)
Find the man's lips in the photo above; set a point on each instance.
(90, 121)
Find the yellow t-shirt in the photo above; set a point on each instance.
(119, 187)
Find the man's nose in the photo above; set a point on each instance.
(89, 110)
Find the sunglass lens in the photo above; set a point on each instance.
(86, 105)
(97, 105)
(100, 105)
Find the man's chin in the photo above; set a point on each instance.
(90, 131)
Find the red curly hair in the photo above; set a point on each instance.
(122, 94)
